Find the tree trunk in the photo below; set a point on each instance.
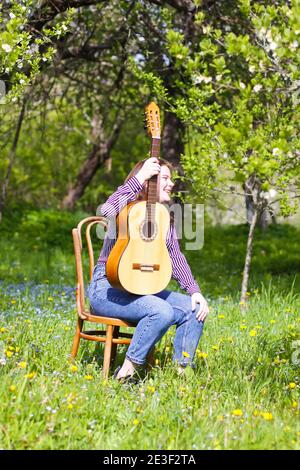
(264, 218)
(248, 258)
(99, 155)
(12, 156)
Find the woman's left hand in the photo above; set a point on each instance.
(198, 298)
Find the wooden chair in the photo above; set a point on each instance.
(111, 336)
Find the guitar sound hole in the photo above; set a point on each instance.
(148, 230)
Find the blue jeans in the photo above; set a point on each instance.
(153, 314)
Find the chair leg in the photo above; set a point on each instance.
(116, 330)
(76, 340)
(150, 359)
(107, 351)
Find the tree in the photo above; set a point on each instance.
(240, 93)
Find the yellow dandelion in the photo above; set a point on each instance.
(256, 413)
(135, 422)
(67, 328)
(31, 375)
(215, 347)
(243, 327)
(267, 415)
(73, 368)
(294, 404)
(221, 316)
(3, 329)
(237, 412)
(22, 365)
(167, 349)
(151, 389)
(88, 377)
(202, 355)
(253, 333)
(8, 353)
(185, 354)
(276, 360)
(50, 299)
(69, 406)
(12, 388)
(292, 385)
(13, 301)
(17, 349)
(242, 303)
(11, 348)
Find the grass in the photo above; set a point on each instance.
(244, 393)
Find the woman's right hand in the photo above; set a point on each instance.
(150, 168)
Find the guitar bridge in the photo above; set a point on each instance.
(146, 267)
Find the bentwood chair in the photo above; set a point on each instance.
(111, 335)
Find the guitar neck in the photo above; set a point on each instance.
(152, 196)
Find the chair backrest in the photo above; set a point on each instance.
(88, 223)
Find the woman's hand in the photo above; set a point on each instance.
(150, 167)
(198, 298)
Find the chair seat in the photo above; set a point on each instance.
(107, 320)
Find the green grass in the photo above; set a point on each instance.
(244, 363)
(244, 393)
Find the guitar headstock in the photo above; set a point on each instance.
(153, 120)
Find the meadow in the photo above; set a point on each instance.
(244, 393)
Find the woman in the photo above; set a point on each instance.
(154, 314)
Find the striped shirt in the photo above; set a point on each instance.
(126, 193)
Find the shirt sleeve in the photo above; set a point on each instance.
(181, 271)
(122, 196)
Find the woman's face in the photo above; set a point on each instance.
(165, 184)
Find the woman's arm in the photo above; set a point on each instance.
(122, 196)
(129, 190)
(181, 271)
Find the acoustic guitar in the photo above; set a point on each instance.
(139, 262)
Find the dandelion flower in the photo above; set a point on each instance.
(253, 333)
(22, 364)
(73, 368)
(267, 415)
(88, 377)
(135, 422)
(12, 388)
(292, 385)
(237, 412)
(185, 354)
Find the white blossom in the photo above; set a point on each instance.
(6, 47)
(242, 85)
(275, 151)
(257, 88)
(272, 192)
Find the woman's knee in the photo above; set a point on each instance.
(160, 309)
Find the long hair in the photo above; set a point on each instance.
(142, 194)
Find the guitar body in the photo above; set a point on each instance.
(139, 263)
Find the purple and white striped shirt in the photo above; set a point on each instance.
(126, 193)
